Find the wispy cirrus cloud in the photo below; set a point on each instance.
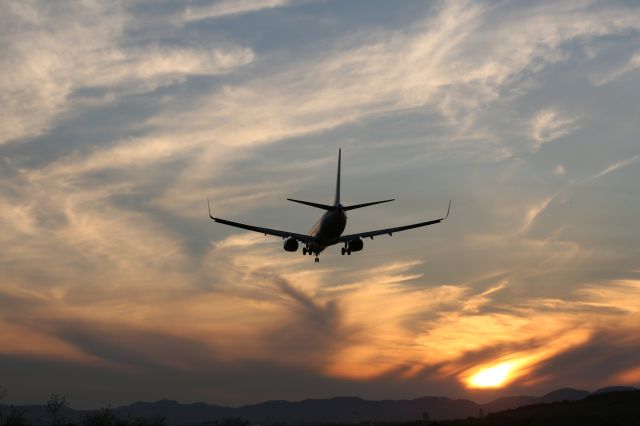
(613, 167)
(629, 66)
(550, 124)
(222, 8)
(54, 51)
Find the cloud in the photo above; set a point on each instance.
(522, 364)
(548, 125)
(223, 8)
(582, 334)
(631, 65)
(535, 211)
(53, 51)
(434, 64)
(559, 170)
(312, 330)
(145, 69)
(378, 73)
(613, 167)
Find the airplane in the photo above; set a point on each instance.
(328, 230)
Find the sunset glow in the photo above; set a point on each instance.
(491, 377)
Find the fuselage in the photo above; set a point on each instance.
(329, 228)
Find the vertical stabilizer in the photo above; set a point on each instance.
(337, 200)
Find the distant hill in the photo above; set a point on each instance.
(334, 410)
(176, 413)
(618, 408)
(509, 402)
(615, 389)
(566, 394)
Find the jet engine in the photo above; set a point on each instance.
(356, 245)
(291, 244)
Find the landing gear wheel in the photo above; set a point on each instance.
(343, 251)
(349, 252)
(317, 260)
(304, 251)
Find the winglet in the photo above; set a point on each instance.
(448, 210)
(337, 199)
(209, 207)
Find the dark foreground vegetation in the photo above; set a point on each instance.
(607, 409)
(600, 409)
(16, 416)
(57, 413)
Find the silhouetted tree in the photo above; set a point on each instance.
(231, 421)
(16, 417)
(107, 417)
(143, 421)
(56, 406)
(3, 394)
(103, 417)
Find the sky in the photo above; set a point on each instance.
(119, 119)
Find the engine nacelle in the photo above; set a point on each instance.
(356, 245)
(291, 244)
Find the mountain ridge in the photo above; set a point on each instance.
(340, 409)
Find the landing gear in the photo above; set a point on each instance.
(345, 250)
(309, 251)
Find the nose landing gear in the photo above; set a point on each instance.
(345, 250)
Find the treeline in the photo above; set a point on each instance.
(57, 412)
(57, 409)
(16, 416)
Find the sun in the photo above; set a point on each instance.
(491, 377)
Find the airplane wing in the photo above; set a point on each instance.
(266, 231)
(390, 231)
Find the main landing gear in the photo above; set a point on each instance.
(308, 251)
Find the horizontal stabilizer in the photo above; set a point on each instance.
(309, 203)
(357, 206)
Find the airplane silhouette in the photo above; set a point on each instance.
(328, 231)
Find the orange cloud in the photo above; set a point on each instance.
(518, 365)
